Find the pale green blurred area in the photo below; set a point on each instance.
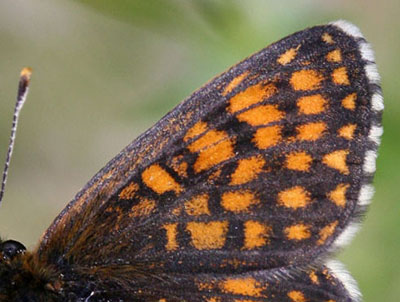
(104, 71)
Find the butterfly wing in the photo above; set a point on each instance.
(266, 167)
(328, 283)
(312, 284)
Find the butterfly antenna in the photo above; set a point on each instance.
(23, 88)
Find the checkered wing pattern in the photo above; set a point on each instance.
(240, 192)
(277, 285)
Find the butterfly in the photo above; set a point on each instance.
(239, 194)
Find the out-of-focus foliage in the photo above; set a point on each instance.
(104, 71)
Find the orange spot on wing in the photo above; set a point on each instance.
(337, 160)
(198, 205)
(349, 102)
(210, 138)
(143, 208)
(298, 232)
(327, 38)
(313, 277)
(326, 232)
(347, 131)
(312, 104)
(261, 115)
(299, 161)
(252, 95)
(213, 147)
(207, 236)
(214, 155)
(338, 195)
(334, 56)
(171, 229)
(129, 191)
(247, 170)
(287, 56)
(296, 296)
(159, 180)
(267, 137)
(311, 131)
(197, 129)
(242, 286)
(295, 197)
(255, 234)
(339, 76)
(235, 82)
(306, 79)
(238, 201)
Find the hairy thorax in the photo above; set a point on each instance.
(24, 278)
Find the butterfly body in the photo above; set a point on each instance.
(238, 194)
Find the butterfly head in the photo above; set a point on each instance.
(9, 249)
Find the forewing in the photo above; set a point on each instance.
(265, 167)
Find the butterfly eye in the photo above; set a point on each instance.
(10, 248)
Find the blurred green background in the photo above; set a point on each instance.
(104, 71)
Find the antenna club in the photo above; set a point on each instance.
(26, 72)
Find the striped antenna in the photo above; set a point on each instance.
(23, 88)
